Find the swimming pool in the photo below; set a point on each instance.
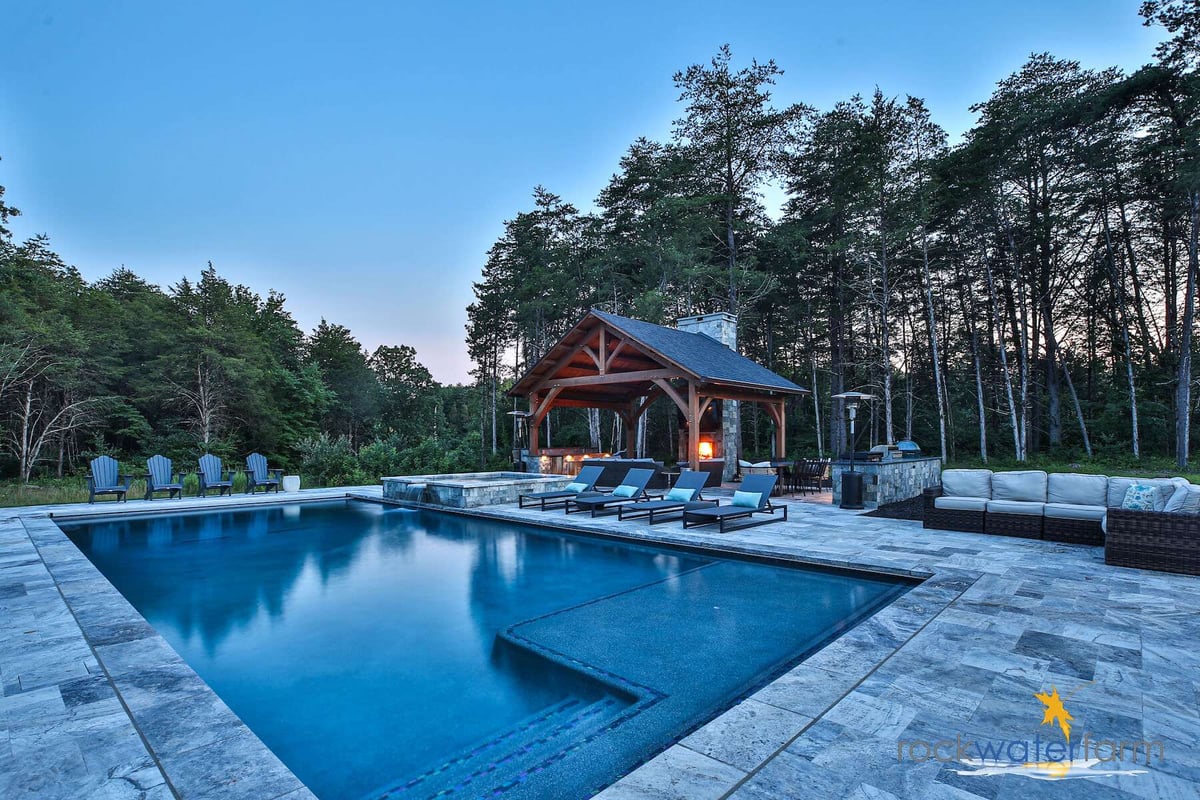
(382, 652)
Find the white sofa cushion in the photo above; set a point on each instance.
(967, 483)
(1030, 509)
(1191, 501)
(1069, 488)
(1176, 499)
(1072, 511)
(961, 503)
(1118, 486)
(1025, 486)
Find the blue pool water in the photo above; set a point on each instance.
(383, 652)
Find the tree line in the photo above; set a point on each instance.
(120, 366)
(1028, 290)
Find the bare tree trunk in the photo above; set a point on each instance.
(1087, 443)
(1123, 317)
(933, 342)
(970, 314)
(885, 344)
(1183, 389)
(24, 462)
(495, 436)
(982, 409)
(816, 398)
(1018, 439)
(593, 418)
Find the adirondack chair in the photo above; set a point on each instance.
(213, 476)
(106, 478)
(161, 478)
(258, 476)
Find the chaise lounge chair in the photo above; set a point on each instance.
(631, 490)
(106, 478)
(259, 477)
(213, 476)
(161, 478)
(583, 484)
(685, 496)
(754, 497)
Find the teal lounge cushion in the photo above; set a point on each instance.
(576, 487)
(747, 499)
(1140, 497)
(680, 495)
(624, 491)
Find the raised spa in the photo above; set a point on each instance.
(469, 489)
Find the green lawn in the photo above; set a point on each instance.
(50, 491)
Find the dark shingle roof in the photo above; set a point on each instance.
(701, 355)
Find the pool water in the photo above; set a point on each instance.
(383, 652)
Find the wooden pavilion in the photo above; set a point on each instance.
(623, 365)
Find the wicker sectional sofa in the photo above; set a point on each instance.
(1059, 507)
(1073, 508)
(1153, 540)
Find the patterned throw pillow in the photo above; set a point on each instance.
(576, 487)
(1140, 497)
(680, 495)
(624, 491)
(747, 499)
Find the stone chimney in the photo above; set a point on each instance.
(721, 326)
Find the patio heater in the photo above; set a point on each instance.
(852, 482)
(520, 443)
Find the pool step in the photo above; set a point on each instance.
(490, 767)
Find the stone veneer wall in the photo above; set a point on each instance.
(890, 481)
(462, 492)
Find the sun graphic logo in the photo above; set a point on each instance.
(1055, 711)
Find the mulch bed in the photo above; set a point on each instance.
(912, 508)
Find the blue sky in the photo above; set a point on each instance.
(362, 157)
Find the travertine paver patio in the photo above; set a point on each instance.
(998, 620)
(96, 705)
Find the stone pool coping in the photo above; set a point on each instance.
(82, 714)
(95, 702)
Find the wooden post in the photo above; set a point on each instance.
(693, 422)
(631, 427)
(534, 424)
(781, 431)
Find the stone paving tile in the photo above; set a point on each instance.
(677, 773)
(236, 766)
(747, 734)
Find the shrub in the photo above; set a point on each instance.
(328, 461)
